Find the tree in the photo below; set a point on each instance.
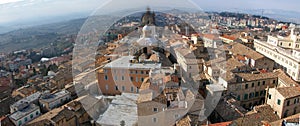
(34, 71)
(122, 123)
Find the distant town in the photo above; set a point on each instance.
(159, 68)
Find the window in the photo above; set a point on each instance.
(116, 87)
(123, 88)
(256, 94)
(246, 86)
(251, 95)
(238, 97)
(190, 67)
(270, 96)
(131, 78)
(278, 101)
(137, 90)
(136, 79)
(116, 78)
(147, 72)
(106, 87)
(136, 72)
(142, 79)
(155, 110)
(115, 71)
(123, 78)
(106, 77)
(261, 93)
(288, 103)
(252, 84)
(154, 119)
(131, 89)
(245, 96)
(31, 116)
(295, 101)
(20, 123)
(286, 113)
(25, 119)
(264, 82)
(142, 72)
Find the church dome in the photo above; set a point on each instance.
(146, 28)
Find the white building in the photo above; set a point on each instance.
(49, 101)
(291, 41)
(24, 115)
(288, 59)
(212, 40)
(28, 100)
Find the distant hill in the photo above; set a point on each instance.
(38, 36)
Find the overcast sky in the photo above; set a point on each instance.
(16, 11)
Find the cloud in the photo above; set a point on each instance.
(21, 10)
(9, 1)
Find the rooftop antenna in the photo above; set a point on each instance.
(262, 13)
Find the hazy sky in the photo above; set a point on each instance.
(14, 11)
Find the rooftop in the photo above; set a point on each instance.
(259, 76)
(240, 49)
(286, 52)
(229, 106)
(28, 99)
(124, 62)
(21, 113)
(52, 97)
(260, 114)
(46, 116)
(289, 92)
(212, 36)
(215, 87)
(285, 78)
(122, 108)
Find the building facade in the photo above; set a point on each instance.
(284, 100)
(49, 101)
(288, 60)
(249, 88)
(26, 114)
(123, 75)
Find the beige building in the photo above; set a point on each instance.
(167, 108)
(248, 88)
(124, 74)
(71, 114)
(189, 64)
(284, 100)
(284, 80)
(250, 57)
